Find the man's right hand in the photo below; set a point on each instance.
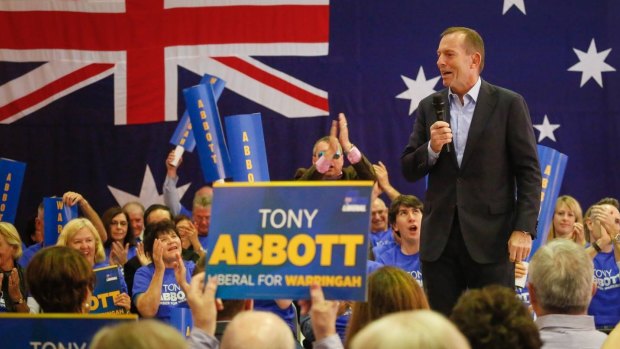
(440, 134)
(171, 171)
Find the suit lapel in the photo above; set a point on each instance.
(487, 99)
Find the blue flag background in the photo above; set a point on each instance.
(375, 49)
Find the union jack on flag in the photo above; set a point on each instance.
(142, 42)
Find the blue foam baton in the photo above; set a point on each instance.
(12, 178)
(55, 215)
(207, 128)
(552, 165)
(183, 137)
(246, 144)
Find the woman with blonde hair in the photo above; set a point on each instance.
(567, 221)
(14, 291)
(390, 290)
(81, 235)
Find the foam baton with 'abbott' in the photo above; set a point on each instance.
(183, 136)
(273, 240)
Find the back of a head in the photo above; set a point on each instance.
(257, 330)
(59, 279)
(145, 334)
(390, 290)
(493, 317)
(562, 275)
(418, 329)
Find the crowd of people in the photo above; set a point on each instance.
(447, 287)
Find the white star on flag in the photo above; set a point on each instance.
(417, 89)
(148, 193)
(592, 64)
(546, 129)
(516, 3)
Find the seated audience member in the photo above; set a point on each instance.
(188, 233)
(258, 330)
(567, 221)
(493, 317)
(70, 199)
(145, 334)
(561, 284)
(283, 308)
(14, 292)
(405, 218)
(418, 329)
(604, 227)
(121, 244)
(154, 214)
(380, 232)
(80, 234)
(32, 233)
(60, 280)
(327, 159)
(156, 287)
(135, 211)
(390, 290)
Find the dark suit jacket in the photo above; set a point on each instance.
(496, 189)
(362, 170)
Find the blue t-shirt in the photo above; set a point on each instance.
(203, 240)
(131, 252)
(382, 238)
(372, 266)
(395, 257)
(605, 305)
(171, 294)
(29, 253)
(288, 314)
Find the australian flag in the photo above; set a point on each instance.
(91, 91)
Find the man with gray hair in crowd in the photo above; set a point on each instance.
(561, 285)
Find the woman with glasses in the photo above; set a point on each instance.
(121, 244)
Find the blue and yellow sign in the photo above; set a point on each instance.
(273, 240)
(55, 215)
(207, 128)
(183, 135)
(107, 287)
(47, 331)
(552, 165)
(246, 144)
(11, 179)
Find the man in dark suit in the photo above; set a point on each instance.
(327, 159)
(483, 192)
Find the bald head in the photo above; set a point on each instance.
(258, 330)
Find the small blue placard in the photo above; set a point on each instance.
(11, 179)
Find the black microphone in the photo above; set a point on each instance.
(439, 112)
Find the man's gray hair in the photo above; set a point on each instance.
(562, 275)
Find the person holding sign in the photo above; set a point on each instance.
(156, 287)
(14, 291)
(80, 234)
(69, 198)
(327, 159)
